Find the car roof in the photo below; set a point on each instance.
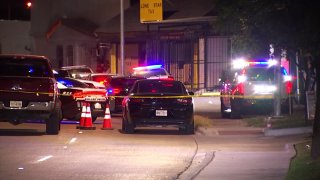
(21, 56)
(158, 80)
(75, 67)
(103, 74)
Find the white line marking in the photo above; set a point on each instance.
(72, 140)
(45, 158)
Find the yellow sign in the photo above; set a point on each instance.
(151, 10)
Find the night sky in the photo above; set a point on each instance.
(14, 10)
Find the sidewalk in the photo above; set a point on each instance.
(247, 165)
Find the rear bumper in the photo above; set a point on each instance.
(32, 106)
(147, 117)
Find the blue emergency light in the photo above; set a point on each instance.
(147, 67)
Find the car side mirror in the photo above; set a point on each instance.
(191, 93)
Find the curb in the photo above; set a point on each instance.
(266, 132)
(288, 131)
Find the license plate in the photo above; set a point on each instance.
(97, 106)
(16, 104)
(161, 113)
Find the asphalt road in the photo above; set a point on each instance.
(26, 152)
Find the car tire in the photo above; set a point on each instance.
(235, 108)
(187, 129)
(53, 123)
(223, 109)
(190, 128)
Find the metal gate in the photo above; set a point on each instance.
(198, 65)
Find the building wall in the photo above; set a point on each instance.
(15, 37)
(66, 41)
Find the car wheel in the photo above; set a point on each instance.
(53, 123)
(190, 128)
(236, 108)
(223, 109)
(187, 129)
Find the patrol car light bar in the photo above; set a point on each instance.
(242, 63)
(147, 67)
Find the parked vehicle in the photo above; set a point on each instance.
(152, 72)
(102, 78)
(251, 84)
(77, 72)
(154, 102)
(74, 93)
(28, 91)
(119, 87)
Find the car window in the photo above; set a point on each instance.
(159, 87)
(25, 67)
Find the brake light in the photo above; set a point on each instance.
(78, 94)
(238, 89)
(288, 87)
(114, 91)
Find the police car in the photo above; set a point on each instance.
(152, 72)
(251, 84)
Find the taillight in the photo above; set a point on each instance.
(78, 94)
(114, 91)
(238, 89)
(184, 100)
(288, 87)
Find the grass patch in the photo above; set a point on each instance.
(201, 121)
(297, 119)
(302, 166)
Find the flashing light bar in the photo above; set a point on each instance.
(147, 67)
(241, 63)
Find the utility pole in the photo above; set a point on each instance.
(121, 37)
(277, 80)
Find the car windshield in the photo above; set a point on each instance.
(260, 74)
(26, 67)
(79, 71)
(159, 87)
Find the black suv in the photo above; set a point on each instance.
(119, 87)
(28, 91)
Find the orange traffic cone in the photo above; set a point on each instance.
(88, 121)
(83, 115)
(107, 119)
